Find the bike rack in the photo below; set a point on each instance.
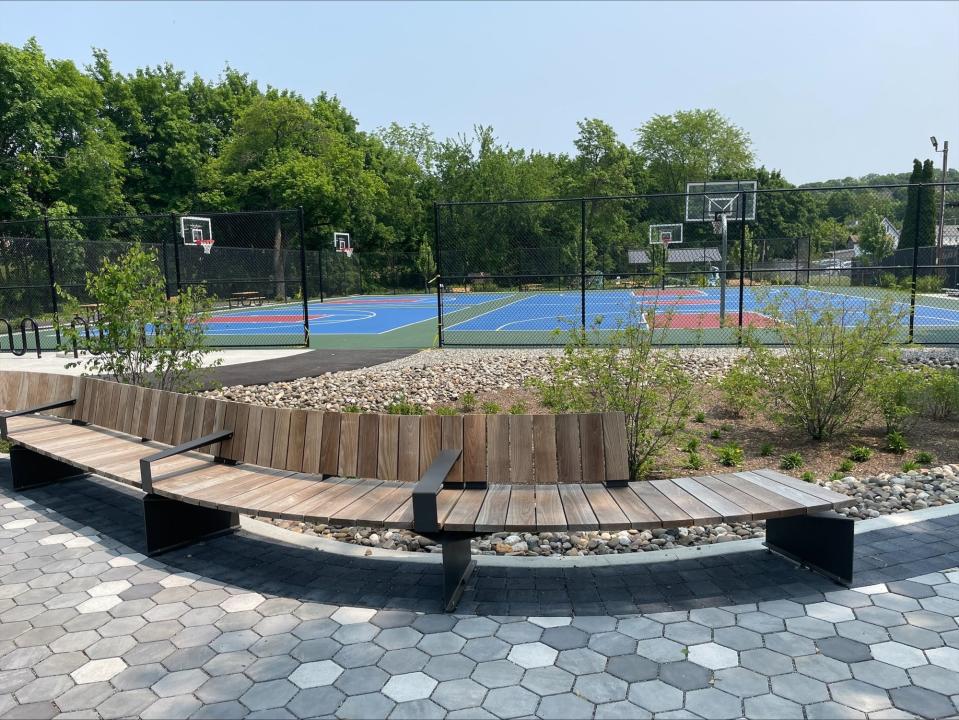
(86, 333)
(23, 336)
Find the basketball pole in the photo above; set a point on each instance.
(722, 275)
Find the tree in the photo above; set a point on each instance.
(426, 263)
(919, 221)
(873, 239)
(690, 146)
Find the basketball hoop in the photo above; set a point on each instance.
(206, 244)
(348, 251)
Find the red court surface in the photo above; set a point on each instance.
(708, 321)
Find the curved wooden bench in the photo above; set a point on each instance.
(450, 478)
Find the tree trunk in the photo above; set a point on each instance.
(279, 266)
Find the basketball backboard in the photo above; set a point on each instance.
(196, 230)
(342, 243)
(666, 234)
(705, 199)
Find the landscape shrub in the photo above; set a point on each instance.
(446, 410)
(887, 280)
(622, 371)
(896, 442)
(893, 393)
(832, 352)
(518, 408)
(401, 406)
(936, 393)
(766, 449)
(730, 455)
(490, 408)
(700, 417)
(692, 445)
(924, 458)
(859, 453)
(694, 461)
(715, 434)
(791, 461)
(910, 465)
(741, 389)
(808, 476)
(846, 466)
(468, 401)
(352, 408)
(140, 337)
(929, 284)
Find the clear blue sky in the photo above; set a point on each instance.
(825, 89)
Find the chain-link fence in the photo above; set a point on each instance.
(519, 273)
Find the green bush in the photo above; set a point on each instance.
(468, 401)
(831, 354)
(730, 455)
(622, 371)
(692, 445)
(766, 449)
(929, 284)
(847, 466)
(518, 408)
(924, 458)
(887, 280)
(836, 476)
(694, 461)
(715, 434)
(808, 476)
(401, 406)
(700, 417)
(859, 453)
(893, 393)
(896, 442)
(937, 393)
(741, 388)
(490, 408)
(141, 337)
(791, 461)
(445, 410)
(910, 465)
(352, 408)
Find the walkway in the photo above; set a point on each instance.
(242, 626)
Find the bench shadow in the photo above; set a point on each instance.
(270, 567)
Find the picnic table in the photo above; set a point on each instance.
(246, 298)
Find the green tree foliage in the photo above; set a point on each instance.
(873, 239)
(919, 220)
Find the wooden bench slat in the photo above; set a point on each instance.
(774, 499)
(368, 450)
(264, 450)
(282, 486)
(803, 486)
(252, 433)
(297, 443)
(408, 451)
(592, 447)
(241, 420)
(474, 448)
(810, 502)
(521, 450)
(730, 511)
(307, 494)
(446, 501)
(668, 512)
(313, 443)
(387, 447)
(614, 440)
(402, 518)
(544, 449)
(323, 511)
(497, 449)
(637, 512)
(758, 509)
(452, 431)
(568, 455)
(375, 506)
(221, 494)
(343, 485)
(608, 513)
(184, 429)
(579, 513)
(281, 437)
(330, 448)
(206, 485)
(689, 504)
(431, 438)
(492, 514)
(549, 509)
(349, 443)
(521, 513)
(463, 515)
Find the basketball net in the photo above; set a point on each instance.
(206, 244)
(348, 251)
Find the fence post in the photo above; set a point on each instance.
(53, 282)
(582, 263)
(439, 274)
(303, 287)
(163, 259)
(176, 250)
(915, 265)
(742, 260)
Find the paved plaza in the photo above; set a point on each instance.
(242, 626)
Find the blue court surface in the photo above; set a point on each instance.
(537, 311)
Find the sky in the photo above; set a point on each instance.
(825, 90)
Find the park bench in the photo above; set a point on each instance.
(449, 478)
(245, 299)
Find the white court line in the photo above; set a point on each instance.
(487, 312)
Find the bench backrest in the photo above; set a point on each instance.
(517, 449)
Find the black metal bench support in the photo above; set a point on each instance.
(170, 524)
(822, 541)
(31, 469)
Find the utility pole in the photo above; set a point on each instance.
(942, 191)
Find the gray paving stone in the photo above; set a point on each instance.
(548, 680)
(316, 702)
(139, 677)
(832, 711)
(171, 707)
(129, 703)
(471, 714)
(632, 668)
(373, 705)
(737, 638)
(475, 627)
(581, 661)
(601, 688)
(430, 624)
(760, 622)
(449, 667)
(661, 649)
(84, 697)
(879, 674)
(511, 702)
(863, 632)
(317, 649)
(684, 675)
(740, 682)
(892, 601)
(565, 638)
(810, 627)
(771, 707)
(712, 617)
(883, 617)
(933, 677)
(564, 707)
(403, 661)
(823, 668)
(788, 643)
(766, 661)
(640, 628)
(279, 645)
(188, 658)
(232, 641)
(441, 643)
(688, 633)
(360, 681)
(180, 683)
(844, 650)
(593, 624)
(713, 704)
(930, 620)
(459, 694)
(782, 608)
(267, 695)
(915, 636)
(611, 644)
(800, 688)
(655, 696)
(313, 629)
(922, 702)
(520, 632)
(498, 673)
(898, 654)
(147, 652)
(43, 689)
(623, 710)
(417, 710)
(60, 664)
(859, 695)
(272, 668)
(397, 638)
(224, 688)
(358, 655)
(220, 711)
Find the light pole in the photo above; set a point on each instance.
(942, 199)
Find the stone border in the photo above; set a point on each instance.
(273, 532)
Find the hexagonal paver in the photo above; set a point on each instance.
(766, 661)
(737, 638)
(224, 688)
(409, 686)
(622, 710)
(532, 655)
(844, 650)
(655, 696)
(564, 638)
(684, 675)
(511, 702)
(741, 682)
(800, 688)
(713, 656)
(863, 632)
(772, 707)
(242, 602)
(660, 650)
(581, 661)
(640, 628)
(441, 643)
(360, 681)
(563, 707)
(548, 681)
(484, 649)
(830, 612)
(600, 688)
(915, 636)
(449, 667)
(611, 644)
(922, 702)
(350, 615)
(935, 678)
(475, 627)
(823, 668)
(632, 668)
(688, 633)
(714, 704)
(498, 673)
(98, 670)
(761, 622)
(269, 695)
(879, 674)
(894, 653)
(315, 674)
(830, 710)
(946, 657)
(398, 638)
(859, 695)
(179, 683)
(405, 660)
(459, 694)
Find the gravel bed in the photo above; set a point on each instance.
(882, 494)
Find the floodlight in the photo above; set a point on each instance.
(935, 143)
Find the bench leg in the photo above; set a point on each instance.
(458, 565)
(823, 542)
(31, 469)
(169, 524)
